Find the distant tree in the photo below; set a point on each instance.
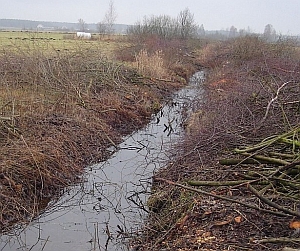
(249, 31)
(232, 32)
(269, 33)
(187, 25)
(106, 25)
(102, 28)
(82, 25)
(242, 32)
(201, 31)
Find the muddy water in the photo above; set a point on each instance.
(105, 210)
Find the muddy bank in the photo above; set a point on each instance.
(237, 110)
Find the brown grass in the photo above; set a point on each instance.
(169, 59)
(151, 65)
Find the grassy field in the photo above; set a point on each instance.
(55, 42)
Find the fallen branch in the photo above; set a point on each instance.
(220, 197)
(269, 160)
(276, 240)
(291, 142)
(271, 203)
(225, 183)
(268, 142)
(228, 162)
(290, 249)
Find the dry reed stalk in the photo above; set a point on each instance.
(151, 65)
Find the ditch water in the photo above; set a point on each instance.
(103, 212)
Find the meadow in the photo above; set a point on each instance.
(51, 42)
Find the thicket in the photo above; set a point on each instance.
(166, 27)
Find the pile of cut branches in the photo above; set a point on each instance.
(270, 168)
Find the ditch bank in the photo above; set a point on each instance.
(108, 207)
(233, 182)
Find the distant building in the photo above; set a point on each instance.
(41, 27)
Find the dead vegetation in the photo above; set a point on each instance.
(233, 183)
(60, 111)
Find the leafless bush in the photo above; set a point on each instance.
(166, 27)
(248, 75)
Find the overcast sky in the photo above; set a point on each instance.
(284, 15)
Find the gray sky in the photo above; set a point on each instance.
(284, 15)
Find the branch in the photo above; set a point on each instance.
(271, 101)
(269, 141)
(228, 162)
(276, 240)
(224, 183)
(271, 203)
(220, 197)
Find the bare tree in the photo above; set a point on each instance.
(232, 32)
(201, 31)
(102, 28)
(187, 25)
(110, 18)
(269, 33)
(82, 25)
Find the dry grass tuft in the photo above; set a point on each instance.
(151, 65)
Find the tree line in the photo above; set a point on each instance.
(164, 26)
(183, 27)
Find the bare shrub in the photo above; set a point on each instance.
(166, 27)
(244, 82)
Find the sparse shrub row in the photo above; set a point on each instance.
(166, 27)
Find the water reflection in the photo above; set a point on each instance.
(106, 209)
